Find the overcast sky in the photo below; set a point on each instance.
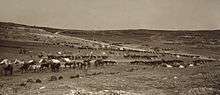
(114, 14)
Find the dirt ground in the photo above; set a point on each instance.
(122, 78)
(118, 79)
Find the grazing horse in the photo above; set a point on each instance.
(7, 67)
(17, 64)
(87, 63)
(69, 62)
(98, 63)
(55, 65)
(44, 64)
(78, 64)
(82, 65)
(26, 66)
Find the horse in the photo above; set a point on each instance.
(7, 67)
(87, 63)
(55, 65)
(44, 64)
(98, 62)
(82, 64)
(69, 62)
(78, 64)
(27, 65)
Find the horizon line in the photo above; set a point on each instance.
(39, 26)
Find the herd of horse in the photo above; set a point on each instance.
(171, 63)
(7, 67)
(55, 63)
(133, 56)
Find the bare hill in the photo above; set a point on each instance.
(186, 41)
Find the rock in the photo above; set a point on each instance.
(60, 77)
(53, 78)
(38, 81)
(42, 87)
(144, 68)
(169, 66)
(175, 77)
(181, 66)
(165, 78)
(59, 52)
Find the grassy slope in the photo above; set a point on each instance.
(180, 41)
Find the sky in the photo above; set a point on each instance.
(114, 14)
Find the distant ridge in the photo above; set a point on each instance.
(51, 29)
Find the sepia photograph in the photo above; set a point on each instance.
(109, 47)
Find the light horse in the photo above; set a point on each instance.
(69, 63)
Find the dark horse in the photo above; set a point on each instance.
(7, 68)
(85, 64)
(98, 62)
(26, 66)
(44, 64)
(55, 67)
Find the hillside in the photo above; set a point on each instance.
(193, 42)
(184, 41)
